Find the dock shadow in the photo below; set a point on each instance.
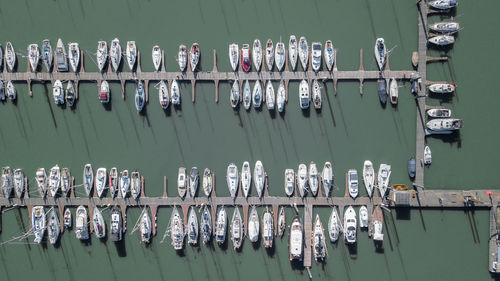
(403, 214)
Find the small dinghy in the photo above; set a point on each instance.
(70, 94)
(81, 223)
(270, 96)
(303, 52)
(380, 53)
(100, 181)
(11, 91)
(352, 182)
(207, 181)
(316, 56)
(116, 224)
(334, 225)
(67, 222)
(257, 54)
(115, 54)
(19, 183)
(296, 242)
(104, 92)
(61, 57)
(302, 180)
(38, 223)
(235, 94)
(384, 175)
(98, 223)
(313, 178)
(281, 97)
(221, 226)
(247, 95)
(146, 227)
(412, 167)
(58, 92)
(439, 113)
(327, 178)
(182, 182)
(194, 56)
(194, 178)
(47, 54)
(124, 183)
(319, 242)
(7, 181)
(246, 178)
(182, 57)
(316, 94)
(363, 217)
(176, 230)
(377, 232)
(236, 229)
(113, 181)
(448, 27)
(279, 55)
(10, 56)
(350, 225)
(41, 181)
(163, 95)
(289, 182)
(292, 52)
(33, 56)
(442, 40)
(253, 225)
(232, 179)
(329, 55)
(393, 91)
(74, 56)
(246, 60)
(131, 54)
(140, 96)
(427, 155)
(442, 88)
(102, 55)
(88, 179)
(135, 184)
(443, 4)
(257, 94)
(233, 56)
(281, 222)
(53, 227)
(192, 227)
(304, 94)
(175, 93)
(206, 225)
(54, 180)
(156, 55)
(368, 177)
(269, 54)
(267, 228)
(259, 178)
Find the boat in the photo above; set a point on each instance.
(175, 93)
(246, 178)
(257, 54)
(329, 55)
(192, 227)
(289, 182)
(319, 245)
(206, 225)
(33, 56)
(363, 217)
(304, 94)
(303, 52)
(439, 113)
(235, 94)
(442, 88)
(246, 58)
(194, 56)
(296, 242)
(302, 180)
(350, 225)
(182, 57)
(412, 167)
(427, 155)
(181, 182)
(259, 178)
(156, 55)
(257, 94)
(442, 40)
(58, 92)
(393, 91)
(102, 54)
(135, 184)
(316, 56)
(232, 179)
(124, 183)
(70, 94)
(270, 96)
(382, 91)
(253, 225)
(444, 124)
(131, 54)
(115, 54)
(140, 96)
(281, 97)
(443, 4)
(368, 177)
(316, 94)
(279, 55)
(19, 182)
(399, 187)
(88, 179)
(327, 178)
(380, 53)
(47, 54)
(313, 178)
(233, 56)
(334, 225)
(292, 52)
(2, 87)
(38, 223)
(281, 222)
(194, 178)
(267, 228)
(163, 95)
(145, 228)
(247, 95)
(377, 230)
(116, 224)
(53, 227)
(352, 182)
(113, 181)
(448, 27)
(67, 218)
(221, 226)
(74, 56)
(11, 91)
(104, 92)
(98, 223)
(269, 54)
(100, 181)
(54, 180)
(61, 57)
(41, 181)
(81, 223)
(384, 176)
(7, 181)
(236, 229)
(10, 56)
(65, 181)
(207, 181)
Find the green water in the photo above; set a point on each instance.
(427, 245)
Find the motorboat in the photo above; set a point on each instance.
(10, 56)
(267, 228)
(233, 56)
(329, 55)
(19, 183)
(113, 181)
(281, 97)
(124, 183)
(206, 225)
(145, 228)
(81, 223)
(47, 54)
(74, 56)
(235, 94)
(246, 58)
(302, 180)
(232, 179)
(163, 95)
(104, 92)
(439, 113)
(382, 91)
(363, 217)
(246, 178)
(116, 224)
(140, 96)
(427, 155)
(447, 27)
(207, 181)
(257, 54)
(350, 225)
(236, 229)
(292, 52)
(442, 88)
(194, 178)
(38, 223)
(304, 94)
(135, 184)
(384, 176)
(70, 96)
(327, 178)
(33, 56)
(100, 181)
(61, 57)
(313, 178)
(412, 167)
(7, 181)
(289, 182)
(102, 55)
(281, 222)
(443, 4)
(377, 230)
(194, 56)
(352, 182)
(279, 55)
(303, 52)
(442, 40)
(98, 223)
(270, 96)
(319, 245)
(257, 94)
(175, 93)
(182, 182)
(115, 54)
(368, 177)
(156, 55)
(67, 222)
(11, 91)
(296, 242)
(182, 57)
(247, 95)
(259, 178)
(221, 226)
(58, 92)
(88, 179)
(316, 56)
(131, 54)
(192, 228)
(380, 53)
(316, 94)
(54, 180)
(334, 225)
(444, 124)
(41, 181)
(269, 54)
(253, 225)
(393, 91)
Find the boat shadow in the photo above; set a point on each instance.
(297, 265)
(256, 244)
(443, 98)
(454, 137)
(353, 250)
(121, 250)
(379, 249)
(107, 106)
(306, 112)
(271, 251)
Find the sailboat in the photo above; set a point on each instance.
(10, 56)
(192, 227)
(384, 175)
(41, 181)
(54, 180)
(207, 181)
(116, 224)
(98, 223)
(61, 57)
(257, 94)
(329, 55)
(33, 56)
(115, 54)
(175, 93)
(269, 54)
(313, 178)
(303, 52)
(53, 227)
(206, 225)
(102, 54)
(267, 228)
(292, 52)
(246, 62)
(124, 183)
(235, 94)
(47, 54)
(334, 225)
(38, 223)
(316, 94)
(7, 181)
(246, 178)
(100, 181)
(232, 179)
(18, 182)
(368, 177)
(81, 223)
(131, 54)
(113, 181)
(221, 226)
(194, 56)
(88, 179)
(176, 230)
(140, 96)
(182, 57)
(259, 177)
(11, 91)
(302, 180)
(270, 97)
(279, 55)
(163, 95)
(380, 52)
(281, 97)
(281, 222)
(247, 95)
(253, 225)
(427, 155)
(289, 182)
(393, 91)
(156, 55)
(104, 92)
(377, 225)
(257, 54)
(145, 227)
(74, 56)
(67, 218)
(319, 245)
(58, 92)
(327, 178)
(236, 229)
(70, 94)
(135, 184)
(233, 56)
(194, 178)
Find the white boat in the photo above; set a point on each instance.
(269, 54)
(384, 176)
(296, 242)
(81, 223)
(257, 94)
(444, 124)
(259, 178)
(439, 113)
(393, 91)
(10, 56)
(377, 225)
(140, 96)
(207, 181)
(194, 56)
(65, 181)
(427, 155)
(442, 88)
(135, 184)
(53, 227)
(289, 182)
(232, 179)
(102, 54)
(104, 92)
(316, 94)
(115, 54)
(304, 94)
(41, 181)
(448, 27)
(368, 177)
(100, 181)
(442, 40)
(7, 181)
(61, 57)
(192, 227)
(182, 57)
(281, 97)
(350, 225)
(98, 223)
(175, 93)
(58, 92)
(257, 54)
(319, 242)
(156, 55)
(206, 225)
(47, 54)
(221, 226)
(267, 228)
(270, 96)
(38, 223)
(236, 229)
(253, 225)
(363, 217)
(247, 95)
(316, 56)
(281, 222)
(380, 51)
(88, 179)
(246, 60)
(33, 56)
(303, 52)
(74, 56)
(113, 182)
(292, 52)
(313, 178)
(327, 178)
(443, 4)
(18, 182)
(67, 218)
(246, 178)
(233, 56)
(194, 178)
(11, 91)
(145, 228)
(176, 230)
(54, 180)
(235, 94)
(181, 182)
(116, 224)
(329, 55)
(131, 54)
(124, 183)
(163, 95)
(352, 182)
(279, 55)
(70, 94)
(302, 180)
(334, 225)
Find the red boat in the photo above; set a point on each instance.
(246, 59)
